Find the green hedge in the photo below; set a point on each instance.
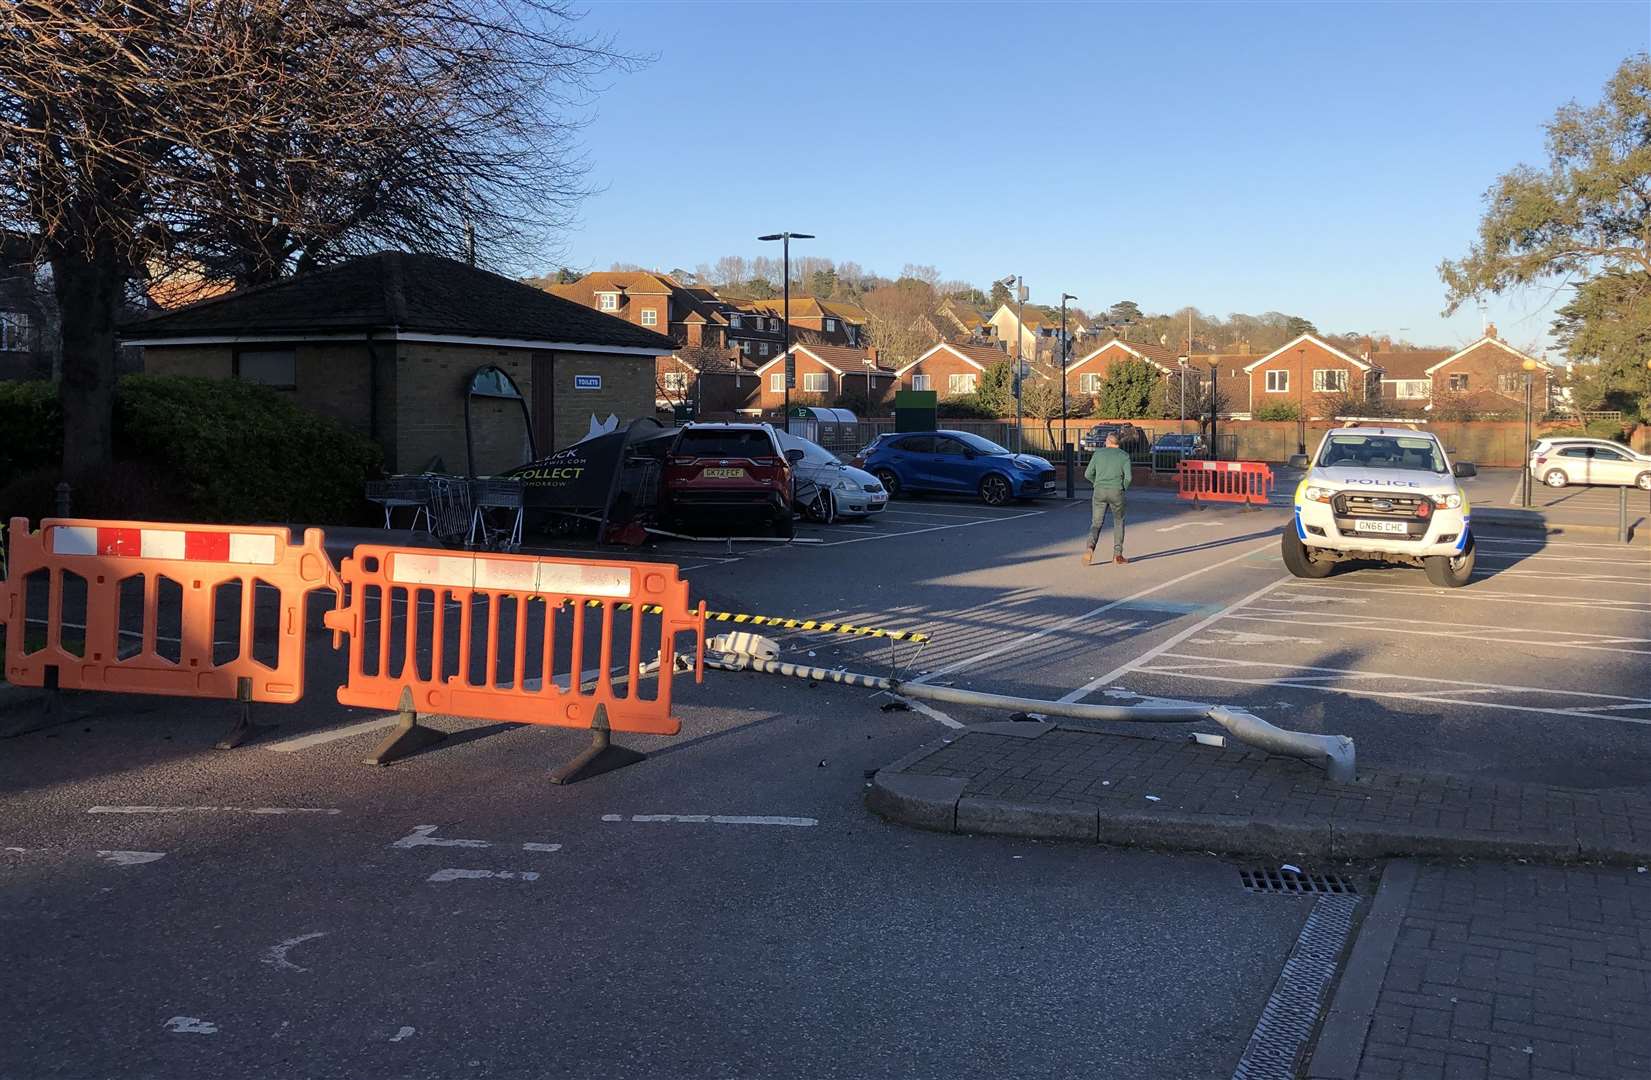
(204, 449)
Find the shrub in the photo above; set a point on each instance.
(967, 407)
(31, 421)
(1278, 410)
(244, 452)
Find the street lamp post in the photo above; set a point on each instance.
(1301, 400)
(1215, 409)
(785, 239)
(1020, 332)
(1525, 473)
(1065, 352)
(1184, 362)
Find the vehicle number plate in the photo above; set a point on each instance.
(723, 474)
(1380, 527)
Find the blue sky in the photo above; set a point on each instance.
(1314, 159)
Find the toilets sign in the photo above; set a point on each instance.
(587, 382)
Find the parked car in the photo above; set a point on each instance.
(1130, 438)
(956, 462)
(1182, 447)
(824, 488)
(1561, 461)
(737, 469)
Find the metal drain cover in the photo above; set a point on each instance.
(1269, 880)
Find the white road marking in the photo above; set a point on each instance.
(1522, 557)
(191, 1025)
(935, 528)
(1027, 639)
(1632, 607)
(404, 1033)
(1247, 637)
(1187, 524)
(541, 847)
(1471, 631)
(207, 809)
(714, 819)
(455, 874)
(131, 858)
(928, 711)
(421, 837)
(276, 955)
(304, 742)
(1169, 643)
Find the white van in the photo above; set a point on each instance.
(1383, 493)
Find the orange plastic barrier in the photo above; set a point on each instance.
(1246, 482)
(160, 608)
(483, 636)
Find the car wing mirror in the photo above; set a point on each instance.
(1298, 461)
(1464, 469)
(793, 455)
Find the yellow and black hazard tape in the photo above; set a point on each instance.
(790, 624)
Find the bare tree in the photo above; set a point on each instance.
(894, 320)
(147, 137)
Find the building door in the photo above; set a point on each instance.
(544, 402)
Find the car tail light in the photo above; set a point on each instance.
(1540, 458)
(857, 461)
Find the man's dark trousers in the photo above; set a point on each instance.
(1105, 499)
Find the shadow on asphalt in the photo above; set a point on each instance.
(1212, 545)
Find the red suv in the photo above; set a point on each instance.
(729, 468)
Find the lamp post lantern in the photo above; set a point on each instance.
(1525, 473)
(785, 239)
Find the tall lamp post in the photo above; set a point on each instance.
(1215, 410)
(1301, 400)
(1065, 352)
(1525, 473)
(1020, 332)
(785, 239)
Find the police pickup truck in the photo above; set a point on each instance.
(1383, 493)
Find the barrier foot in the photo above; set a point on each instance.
(599, 757)
(408, 738)
(243, 728)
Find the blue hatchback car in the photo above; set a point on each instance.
(956, 462)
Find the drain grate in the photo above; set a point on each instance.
(1269, 880)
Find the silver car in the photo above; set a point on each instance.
(1560, 461)
(824, 488)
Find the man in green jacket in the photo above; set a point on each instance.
(1109, 473)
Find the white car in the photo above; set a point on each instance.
(826, 488)
(1561, 461)
(1383, 493)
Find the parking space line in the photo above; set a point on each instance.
(1632, 607)
(304, 742)
(934, 528)
(1473, 631)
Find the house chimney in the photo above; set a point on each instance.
(1490, 330)
(1369, 347)
(873, 356)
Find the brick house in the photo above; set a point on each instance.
(26, 315)
(1039, 333)
(1488, 376)
(387, 344)
(1311, 374)
(821, 322)
(1085, 376)
(951, 368)
(1405, 383)
(825, 373)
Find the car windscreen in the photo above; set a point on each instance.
(980, 445)
(813, 452)
(710, 442)
(1382, 452)
(1175, 440)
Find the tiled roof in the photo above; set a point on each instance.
(400, 291)
(1408, 365)
(984, 355)
(1159, 354)
(844, 359)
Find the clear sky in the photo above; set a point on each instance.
(1316, 159)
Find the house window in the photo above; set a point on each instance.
(608, 301)
(816, 382)
(1089, 383)
(1329, 380)
(1459, 382)
(831, 326)
(733, 322)
(650, 317)
(268, 367)
(1278, 382)
(676, 381)
(1510, 384)
(1410, 389)
(14, 331)
(776, 383)
(774, 325)
(745, 347)
(762, 349)
(921, 382)
(961, 384)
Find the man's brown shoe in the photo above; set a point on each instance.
(1119, 559)
(1088, 556)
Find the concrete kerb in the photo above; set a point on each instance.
(1346, 1025)
(940, 803)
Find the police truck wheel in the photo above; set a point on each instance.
(1450, 571)
(1299, 561)
(890, 482)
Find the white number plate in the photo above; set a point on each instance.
(723, 474)
(1379, 527)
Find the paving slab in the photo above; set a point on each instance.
(1059, 782)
